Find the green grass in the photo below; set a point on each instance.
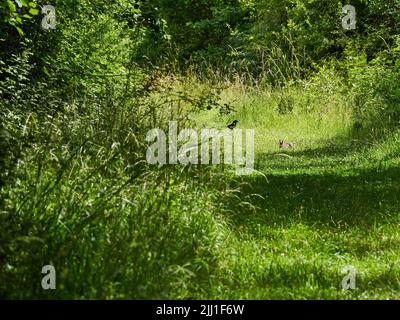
(333, 203)
(83, 200)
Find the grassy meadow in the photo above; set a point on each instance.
(77, 193)
(328, 203)
(285, 232)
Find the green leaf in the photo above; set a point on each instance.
(21, 33)
(34, 12)
(12, 6)
(32, 4)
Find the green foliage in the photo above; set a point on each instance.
(76, 191)
(186, 29)
(264, 38)
(15, 13)
(375, 88)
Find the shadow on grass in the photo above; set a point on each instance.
(336, 198)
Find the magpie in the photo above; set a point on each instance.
(233, 124)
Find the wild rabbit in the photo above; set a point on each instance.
(285, 145)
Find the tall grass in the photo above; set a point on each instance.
(85, 200)
(81, 196)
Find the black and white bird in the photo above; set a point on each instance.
(233, 124)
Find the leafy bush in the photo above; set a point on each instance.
(376, 89)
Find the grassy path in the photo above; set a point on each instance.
(334, 203)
